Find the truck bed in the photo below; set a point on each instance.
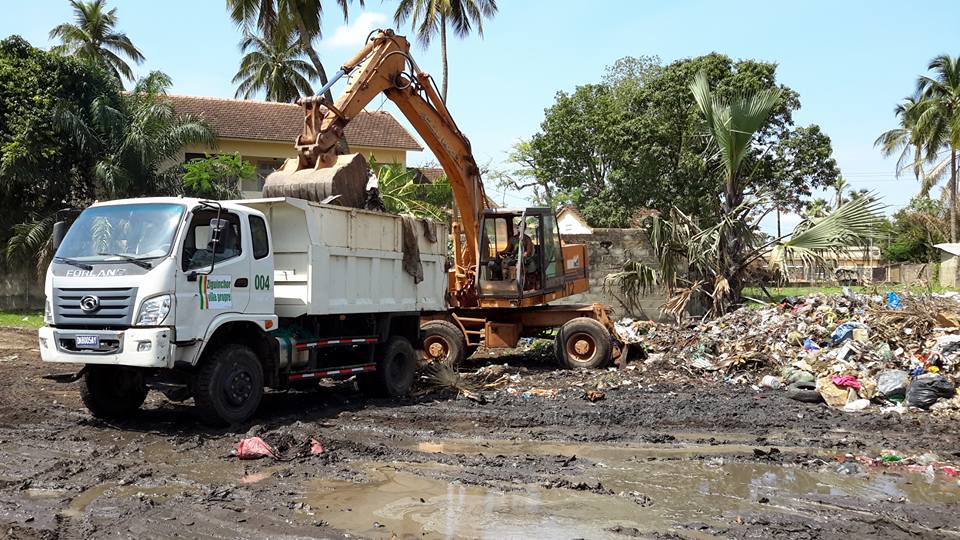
(333, 260)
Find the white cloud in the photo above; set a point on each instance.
(354, 33)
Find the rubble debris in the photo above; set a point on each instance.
(853, 347)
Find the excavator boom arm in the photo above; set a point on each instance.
(384, 66)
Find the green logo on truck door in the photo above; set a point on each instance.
(261, 283)
(215, 292)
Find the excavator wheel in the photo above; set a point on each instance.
(443, 342)
(583, 343)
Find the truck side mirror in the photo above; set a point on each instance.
(59, 231)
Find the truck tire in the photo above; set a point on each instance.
(228, 387)
(112, 391)
(443, 342)
(583, 343)
(396, 369)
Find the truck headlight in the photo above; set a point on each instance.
(154, 311)
(47, 312)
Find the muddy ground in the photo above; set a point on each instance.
(654, 458)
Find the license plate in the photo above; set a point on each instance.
(88, 342)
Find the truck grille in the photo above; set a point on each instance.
(114, 307)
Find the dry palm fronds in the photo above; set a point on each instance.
(442, 376)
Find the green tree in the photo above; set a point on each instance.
(93, 38)
(43, 168)
(430, 17)
(217, 177)
(134, 145)
(633, 142)
(938, 120)
(273, 66)
(916, 228)
(302, 18)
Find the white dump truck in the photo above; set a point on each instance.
(219, 300)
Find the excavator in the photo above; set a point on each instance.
(508, 264)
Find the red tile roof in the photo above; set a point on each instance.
(272, 121)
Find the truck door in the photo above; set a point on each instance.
(215, 275)
(261, 267)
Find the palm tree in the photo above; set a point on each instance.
(815, 209)
(428, 17)
(938, 120)
(859, 194)
(300, 17)
(274, 66)
(93, 38)
(840, 185)
(731, 125)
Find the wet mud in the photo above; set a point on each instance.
(665, 458)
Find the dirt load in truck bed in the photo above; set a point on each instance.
(603, 454)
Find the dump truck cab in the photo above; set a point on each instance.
(142, 282)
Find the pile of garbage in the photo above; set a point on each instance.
(852, 351)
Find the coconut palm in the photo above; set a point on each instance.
(430, 17)
(274, 66)
(93, 38)
(302, 18)
(938, 120)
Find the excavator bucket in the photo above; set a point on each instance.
(346, 178)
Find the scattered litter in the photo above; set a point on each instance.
(10, 358)
(769, 381)
(593, 395)
(926, 389)
(254, 448)
(541, 392)
(857, 405)
(841, 348)
(892, 384)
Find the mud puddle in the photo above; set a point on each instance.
(625, 490)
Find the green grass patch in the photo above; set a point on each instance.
(779, 293)
(21, 319)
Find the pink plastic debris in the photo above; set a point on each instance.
(315, 447)
(846, 381)
(254, 448)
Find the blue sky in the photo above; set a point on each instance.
(850, 61)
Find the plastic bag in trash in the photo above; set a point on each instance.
(844, 331)
(253, 448)
(926, 389)
(893, 300)
(893, 383)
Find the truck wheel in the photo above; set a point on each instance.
(229, 386)
(112, 391)
(396, 369)
(583, 343)
(443, 342)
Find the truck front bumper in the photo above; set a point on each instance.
(138, 347)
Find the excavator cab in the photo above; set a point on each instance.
(521, 255)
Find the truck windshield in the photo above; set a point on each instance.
(122, 232)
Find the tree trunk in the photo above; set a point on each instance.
(732, 262)
(953, 195)
(443, 55)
